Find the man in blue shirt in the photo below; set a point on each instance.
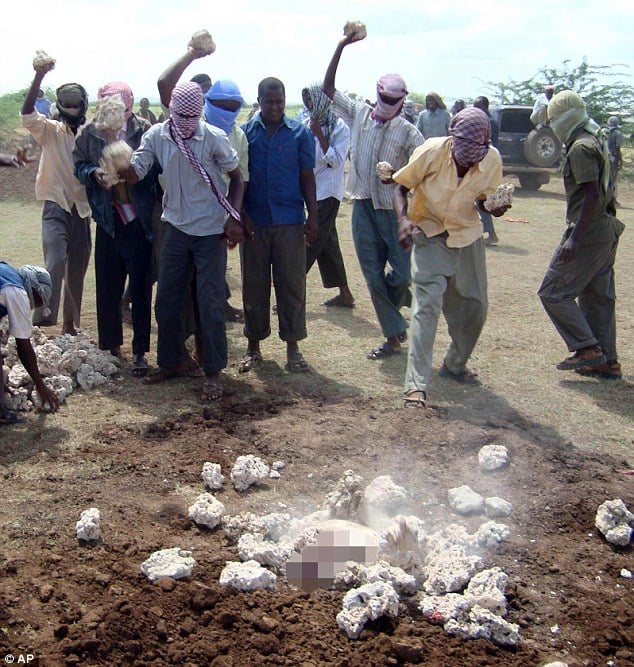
(281, 181)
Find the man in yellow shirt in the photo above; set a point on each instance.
(450, 178)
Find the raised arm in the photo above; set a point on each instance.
(173, 73)
(41, 71)
(328, 86)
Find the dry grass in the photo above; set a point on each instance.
(515, 357)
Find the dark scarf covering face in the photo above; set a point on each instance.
(72, 104)
(321, 108)
(470, 130)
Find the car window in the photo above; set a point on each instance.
(516, 122)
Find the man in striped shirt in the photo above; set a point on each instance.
(378, 134)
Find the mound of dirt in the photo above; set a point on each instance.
(69, 603)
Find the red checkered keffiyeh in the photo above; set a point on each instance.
(186, 107)
(471, 132)
(122, 89)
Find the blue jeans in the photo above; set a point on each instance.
(487, 222)
(181, 253)
(375, 236)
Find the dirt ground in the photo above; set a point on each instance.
(138, 458)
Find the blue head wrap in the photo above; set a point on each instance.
(222, 90)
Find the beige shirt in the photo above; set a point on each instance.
(441, 201)
(55, 180)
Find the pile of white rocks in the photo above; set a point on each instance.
(65, 362)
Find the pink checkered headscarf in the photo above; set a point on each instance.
(186, 107)
(124, 90)
(470, 130)
(393, 86)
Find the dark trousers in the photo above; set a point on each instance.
(278, 251)
(325, 248)
(180, 256)
(128, 254)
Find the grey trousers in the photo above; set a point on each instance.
(66, 244)
(277, 251)
(453, 280)
(580, 298)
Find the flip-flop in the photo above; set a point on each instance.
(160, 375)
(416, 398)
(338, 302)
(466, 377)
(297, 365)
(249, 360)
(212, 391)
(383, 351)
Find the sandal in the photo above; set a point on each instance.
(212, 391)
(249, 361)
(8, 417)
(382, 351)
(338, 302)
(297, 365)
(159, 375)
(415, 398)
(466, 377)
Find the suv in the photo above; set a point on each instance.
(528, 152)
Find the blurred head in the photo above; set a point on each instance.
(144, 103)
(203, 80)
(549, 91)
(272, 100)
(481, 103)
(433, 101)
(458, 106)
(40, 94)
(470, 130)
(613, 121)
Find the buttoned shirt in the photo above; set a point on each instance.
(189, 204)
(372, 142)
(329, 166)
(434, 123)
(274, 195)
(55, 180)
(443, 202)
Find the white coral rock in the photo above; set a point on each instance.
(87, 528)
(175, 563)
(356, 28)
(248, 576)
(202, 41)
(449, 570)
(615, 522)
(495, 507)
(487, 589)
(248, 471)
(42, 59)
(382, 500)
(212, 476)
(206, 511)
(265, 552)
(493, 457)
(368, 602)
(464, 500)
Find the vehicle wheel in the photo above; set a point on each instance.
(529, 181)
(542, 148)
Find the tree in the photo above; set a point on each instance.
(601, 87)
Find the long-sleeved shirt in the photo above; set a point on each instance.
(372, 142)
(329, 166)
(55, 180)
(434, 123)
(189, 204)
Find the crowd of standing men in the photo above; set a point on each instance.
(197, 184)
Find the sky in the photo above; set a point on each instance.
(453, 48)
